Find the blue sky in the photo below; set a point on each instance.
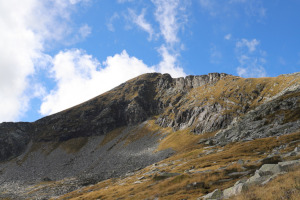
(58, 53)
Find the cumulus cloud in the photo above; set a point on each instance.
(80, 77)
(26, 26)
(141, 22)
(250, 58)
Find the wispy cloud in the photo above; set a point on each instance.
(110, 23)
(251, 58)
(250, 44)
(227, 37)
(85, 30)
(170, 14)
(141, 22)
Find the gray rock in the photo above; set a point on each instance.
(285, 166)
(269, 169)
(240, 162)
(236, 189)
(239, 173)
(215, 195)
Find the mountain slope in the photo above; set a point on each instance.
(141, 122)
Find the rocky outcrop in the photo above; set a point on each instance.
(265, 174)
(274, 118)
(189, 82)
(14, 138)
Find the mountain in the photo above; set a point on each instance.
(158, 136)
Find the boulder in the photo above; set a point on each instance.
(285, 166)
(269, 169)
(236, 189)
(215, 195)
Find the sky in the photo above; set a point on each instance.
(58, 53)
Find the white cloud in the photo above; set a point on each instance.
(80, 77)
(141, 22)
(26, 28)
(171, 17)
(251, 45)
(251, 58)
(110, 23)
(168, 63)
(227, 37)
(85, 30)
(257, 71)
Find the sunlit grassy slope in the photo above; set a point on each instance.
(206, 167)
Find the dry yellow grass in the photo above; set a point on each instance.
(177, 187)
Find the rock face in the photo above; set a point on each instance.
(14, 138)
(274, 118)
(113, 134)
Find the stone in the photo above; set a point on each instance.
(269, 169)
(255, 178)
(236, 189)
(240, 162)
(141, 178)
(288, 164)
(215, 195)
(239, 173)
(209, 142)
(195, 185)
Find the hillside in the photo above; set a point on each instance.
(155, 137)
